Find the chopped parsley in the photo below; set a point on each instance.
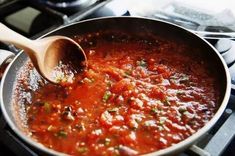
(106, 96)
(141, 63)
(47, 107)
(62, 134)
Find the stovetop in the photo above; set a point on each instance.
(33, 19)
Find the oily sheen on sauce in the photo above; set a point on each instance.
(138, 95)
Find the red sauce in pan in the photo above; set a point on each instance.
(135, 97)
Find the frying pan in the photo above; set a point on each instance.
(133, 25)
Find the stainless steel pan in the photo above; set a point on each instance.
(133, 25)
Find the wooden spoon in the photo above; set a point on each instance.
(56, 58)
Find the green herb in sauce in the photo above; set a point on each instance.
(141, 63)
(82, 150)
(62, 134)
(106, 96)
(154, 110)
(47, 107)
(162, 120)
(107, 141)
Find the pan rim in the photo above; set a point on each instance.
(169, 150)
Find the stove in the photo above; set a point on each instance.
(33, 18)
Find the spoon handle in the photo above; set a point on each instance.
(9, 36)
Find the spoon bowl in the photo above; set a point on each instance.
(56, 58)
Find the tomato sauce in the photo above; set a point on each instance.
(136, 96)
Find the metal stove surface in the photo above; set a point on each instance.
(32, 18)
(219, 141)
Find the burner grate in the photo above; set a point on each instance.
(37, 19)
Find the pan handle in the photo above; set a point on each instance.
(5, 58)
(215, 35)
